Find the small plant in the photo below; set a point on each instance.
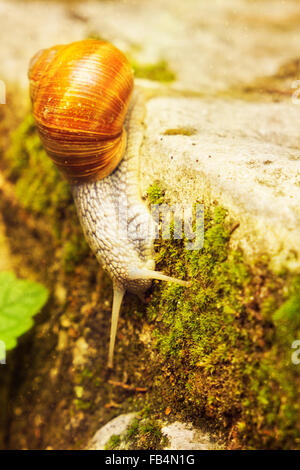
(155, 194)
(20, 300)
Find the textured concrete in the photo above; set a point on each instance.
(244, 155)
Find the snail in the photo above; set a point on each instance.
(86, 114)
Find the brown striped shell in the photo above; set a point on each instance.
(80, 94)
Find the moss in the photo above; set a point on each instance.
(155, 194)
(187, 131)
(132, 429)
(143, 434)
(150, 436)
(113, 442)
(226, 341)
(159, 71)
(39, 186)
(81, 404)
(287, 316)
(74, 251)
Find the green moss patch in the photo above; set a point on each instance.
(113, 442)
(39, 186)
(226, 340)
(143, 433)
(159, 72)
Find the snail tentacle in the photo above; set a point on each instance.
(117, 301)
(136, 273)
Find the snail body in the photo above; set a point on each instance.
(81, 95)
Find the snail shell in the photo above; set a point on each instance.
(80, 94)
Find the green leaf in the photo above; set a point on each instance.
(19, 301)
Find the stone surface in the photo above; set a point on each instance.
(184, 436)
(180, 436)
(209, 45)
(245, 155)
(116, 426)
